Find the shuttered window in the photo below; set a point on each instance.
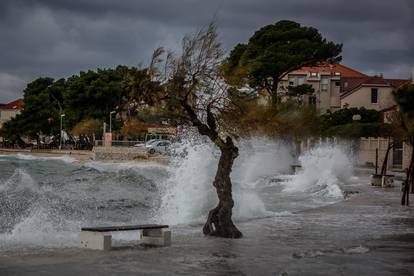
(374, 95)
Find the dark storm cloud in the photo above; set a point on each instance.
(58, 37)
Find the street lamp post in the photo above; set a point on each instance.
(110, 121)
(61, 131)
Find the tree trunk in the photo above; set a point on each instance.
(219, 222)
(273, 92)
(409, 180)
(385, 162)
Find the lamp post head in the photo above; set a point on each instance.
(62, 115)
(112, 112)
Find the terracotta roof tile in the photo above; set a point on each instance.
(332, 68)
(17, 104)
(349, 84)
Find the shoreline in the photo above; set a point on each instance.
(82, 156)
(79, 155)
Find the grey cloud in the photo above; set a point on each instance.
(8, 85)
(59, 38)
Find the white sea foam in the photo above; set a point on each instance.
(40, 229)
(19, 180)
(357, 250)
(120, 166)
(64, 158)
(324, 169)
(261, 158)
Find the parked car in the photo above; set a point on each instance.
(160, 146)
(149, 142)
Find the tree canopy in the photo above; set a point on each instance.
(39, 111)
(94, 94)
(275, 50)
(90, 95)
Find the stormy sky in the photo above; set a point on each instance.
(59, 38)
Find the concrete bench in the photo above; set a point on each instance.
(100, 238)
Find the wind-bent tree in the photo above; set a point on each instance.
(405, 101)
(194, 88)
(274, 51)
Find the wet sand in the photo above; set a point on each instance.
(368, 234)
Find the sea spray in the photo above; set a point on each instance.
(17, 195)
(188, 194)
(324, 169)
(19, 180)
(41, 227)
(261, 158)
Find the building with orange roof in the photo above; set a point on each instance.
(10, 110)
(333, 69)
(325, 79)
(371, 92)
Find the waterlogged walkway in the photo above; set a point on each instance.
(368, 234)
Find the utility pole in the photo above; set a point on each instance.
(110, 121)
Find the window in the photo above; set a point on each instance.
(301, 80)
(312, 101)
(397, 154)
(313, 74)
(324, 84)
(291, 81)
(374, 95)
(337, 83)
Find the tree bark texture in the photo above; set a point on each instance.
(219, 222)
(274, 93)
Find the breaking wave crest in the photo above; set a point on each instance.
(65, 158)
(325, 169)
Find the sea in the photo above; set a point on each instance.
(44, 201)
